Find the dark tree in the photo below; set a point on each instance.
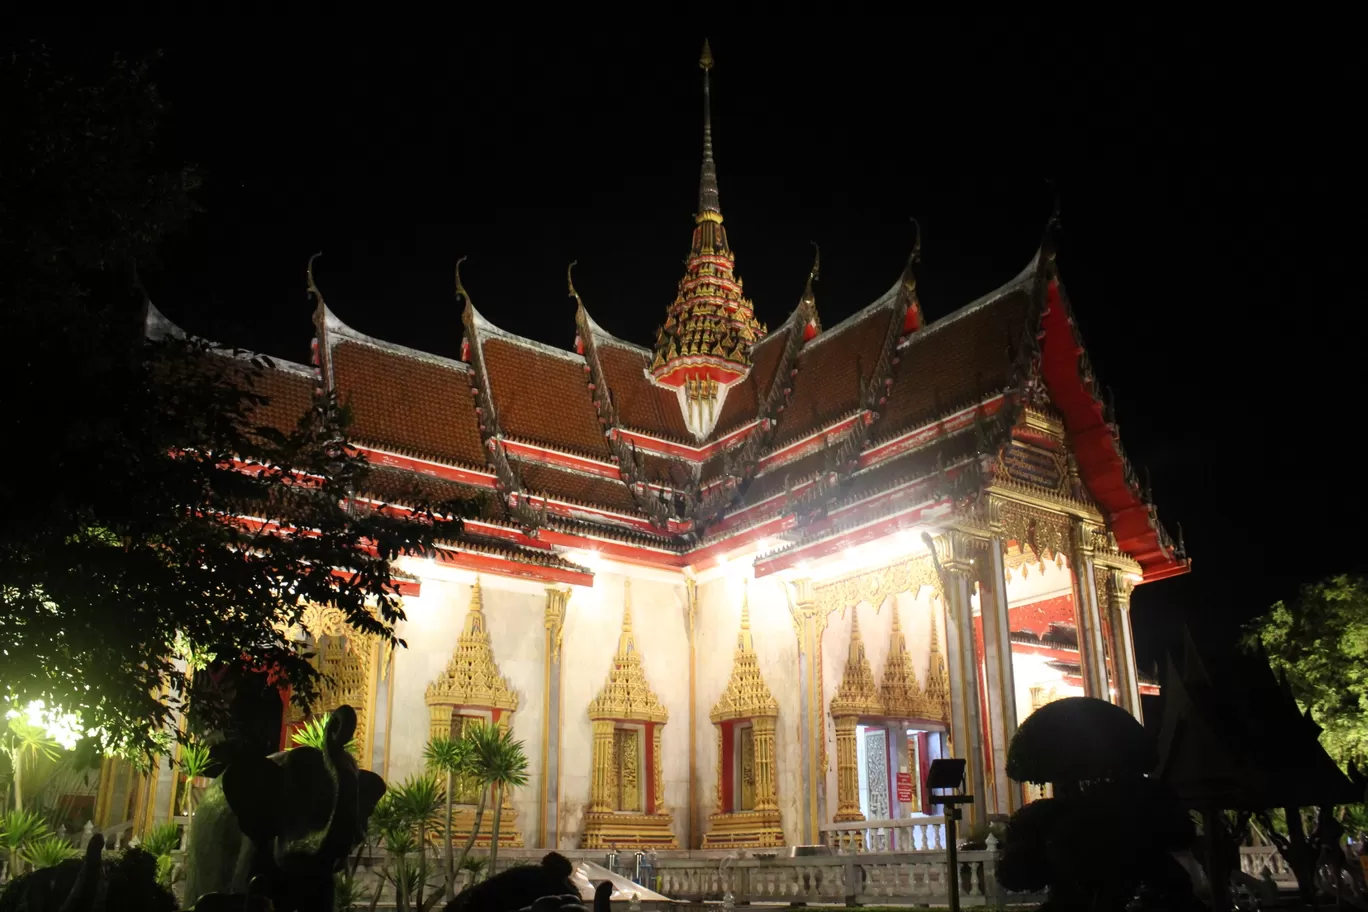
(149, 510)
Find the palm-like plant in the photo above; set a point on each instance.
(17, 830)
(194, 762)
(314, 733)
(500, 762)
(470, 735)
(418, 800)
(161, 840)
(48, 852)
(452, 757)
(25, 743)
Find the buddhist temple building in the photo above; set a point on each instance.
(741, 582)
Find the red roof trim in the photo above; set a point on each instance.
(453, 555)
(662, 447)
(427, 467)
(1100, 462)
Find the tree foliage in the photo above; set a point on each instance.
(151, 517)
(1320, 642)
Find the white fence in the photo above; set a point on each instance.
(1254, 859)
(920, 878)
(905, 834)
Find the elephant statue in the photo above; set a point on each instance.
(283, 824)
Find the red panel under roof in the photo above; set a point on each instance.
(543, 398)
(408, 404)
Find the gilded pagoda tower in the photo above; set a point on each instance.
(704, 347)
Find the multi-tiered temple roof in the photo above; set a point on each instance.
(798, 441)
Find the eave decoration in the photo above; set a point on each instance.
(627, 704)
(746, 712)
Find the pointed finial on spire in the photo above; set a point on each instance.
(309, 278)
(709, 207)
(460, 288)
(745, 585)
(813, 274)
(626, 606)
(570, 280)
(897, 623)
(935, 635)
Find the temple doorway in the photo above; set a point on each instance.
(893, 759)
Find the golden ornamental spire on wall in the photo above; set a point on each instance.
(937, 678)
(856, 695)
(746, 695)
(898, 691)
(472, 676)
(626, 695)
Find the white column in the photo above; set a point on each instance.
(1092, 654)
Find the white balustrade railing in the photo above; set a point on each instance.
(903, 834)
(1254, 859)
(870, 877)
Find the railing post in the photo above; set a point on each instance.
(852, 881)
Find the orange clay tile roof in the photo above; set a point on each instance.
(407, 404)
(641, 405)
(744, 399)
(543, 398)
(954, 364)
(832, 370)
(290, 394)
(575, 487)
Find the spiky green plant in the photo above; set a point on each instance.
(48, 852)
(162, 840)
(314, 733)
(450, 756)
(25, 743)
(500, 762)
(18, 829)
(347, 893)
(419, 799)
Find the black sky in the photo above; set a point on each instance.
(1211, 186)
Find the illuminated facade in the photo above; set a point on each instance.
(745, 584)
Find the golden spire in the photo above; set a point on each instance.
(856, 695)
(709, 208)
(626, 642)
(743, 637)
(626, 694)
(901, 696)
(746, 696)
(472, 676)
(937, 678)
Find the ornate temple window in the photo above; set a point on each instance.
(747, 810)
(471, 691)
(894, 728)
(351, 664)
(627, 791)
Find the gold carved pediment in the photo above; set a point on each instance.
(746, 695)
(472, 676)
(626, 695)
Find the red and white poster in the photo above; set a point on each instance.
(904, 788)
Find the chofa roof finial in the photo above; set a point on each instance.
(814, 274)
(309, 278)
(570, 281)
(460, 288)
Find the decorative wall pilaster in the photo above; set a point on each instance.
(997, 662)
(548, 826)
(1123, 645)
(691, 628)
(1092, 652)
(809, 623)
(847, 771)
(954, 563)
(766, 795)
(604, 781)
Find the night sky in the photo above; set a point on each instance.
(1210, 182)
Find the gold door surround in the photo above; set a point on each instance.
(472, 688)
(627, 702)
(746, 699)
